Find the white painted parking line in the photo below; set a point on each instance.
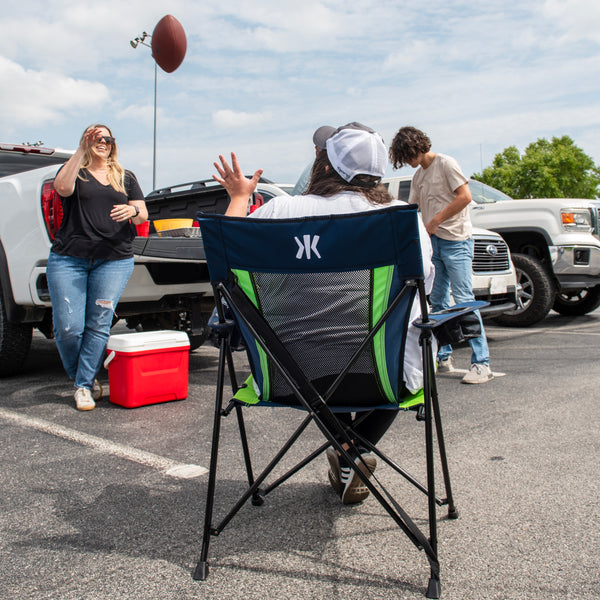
(576, 332)
(154, 461)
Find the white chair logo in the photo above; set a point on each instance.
(308, 245)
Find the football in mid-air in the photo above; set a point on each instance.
(169, 43)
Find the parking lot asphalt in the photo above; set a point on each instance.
(109, 504)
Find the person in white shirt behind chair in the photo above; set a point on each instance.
(346, 178)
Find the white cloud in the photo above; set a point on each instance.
(579, 20)
(39, 97)
(230, 118)
(143, 113)
(409, 59)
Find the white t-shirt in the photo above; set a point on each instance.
(285, 207)
(434, 188)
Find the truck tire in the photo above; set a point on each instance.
(169, 321)
(15, 340)
(574, 303)
(537, 293)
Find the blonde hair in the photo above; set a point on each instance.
(116, 173)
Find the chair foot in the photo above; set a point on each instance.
(433, 589)
(201, 571)
(453, 513)
(257, 500)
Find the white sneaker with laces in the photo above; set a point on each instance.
(478, 373)
(84, 400)
(446, 365)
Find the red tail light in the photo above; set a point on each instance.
(258, 201)
(51, 208)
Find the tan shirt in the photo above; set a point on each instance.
(434, 188)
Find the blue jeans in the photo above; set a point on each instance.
(453, 262)
(84, 294)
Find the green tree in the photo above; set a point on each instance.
(547, 169)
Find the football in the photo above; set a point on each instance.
(169, 43)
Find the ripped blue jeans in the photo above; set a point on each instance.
(84, 295)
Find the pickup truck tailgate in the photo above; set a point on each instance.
(172, 248)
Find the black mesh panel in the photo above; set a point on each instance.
(335, 303)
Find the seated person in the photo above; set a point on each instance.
(345, 179)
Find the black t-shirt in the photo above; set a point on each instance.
(87, 231)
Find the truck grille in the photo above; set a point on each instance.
(490, 255)
(595, 208)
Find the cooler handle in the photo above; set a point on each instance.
(109, 359)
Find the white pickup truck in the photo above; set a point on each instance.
(169, 287)
(555, 247)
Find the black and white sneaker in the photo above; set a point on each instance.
(354, 489)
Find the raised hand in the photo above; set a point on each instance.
(239, 187)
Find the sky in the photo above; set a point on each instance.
(260, 76)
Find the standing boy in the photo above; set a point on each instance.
(442, 193)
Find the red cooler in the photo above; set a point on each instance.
(148, 367)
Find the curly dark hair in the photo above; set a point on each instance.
(407, 144)
(326, 182)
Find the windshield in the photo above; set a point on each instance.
(484, 194)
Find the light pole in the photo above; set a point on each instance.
(134, 44)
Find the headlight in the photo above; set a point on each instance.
(576, 219)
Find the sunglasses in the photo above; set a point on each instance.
(106, 139)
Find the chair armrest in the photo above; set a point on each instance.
(454, 325)
(437, 319)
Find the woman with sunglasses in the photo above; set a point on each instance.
(91, 258)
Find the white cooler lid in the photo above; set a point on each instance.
(147, 340)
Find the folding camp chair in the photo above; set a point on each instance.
(323, 304)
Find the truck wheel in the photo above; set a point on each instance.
(575, 303)
(196, 341)
(169, 321)
(536, 292)
(15, 340)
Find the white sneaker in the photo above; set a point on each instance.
(478, 373)
(83, 399)
(97, 390)
(445, 366)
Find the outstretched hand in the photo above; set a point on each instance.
(239, 187)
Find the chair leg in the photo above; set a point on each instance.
(429, 389)
(275, 484)
(433, 588)
(452, 510)
(201, 571)
(437, 419)
(257, 499)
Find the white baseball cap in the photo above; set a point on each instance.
(356, 151)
